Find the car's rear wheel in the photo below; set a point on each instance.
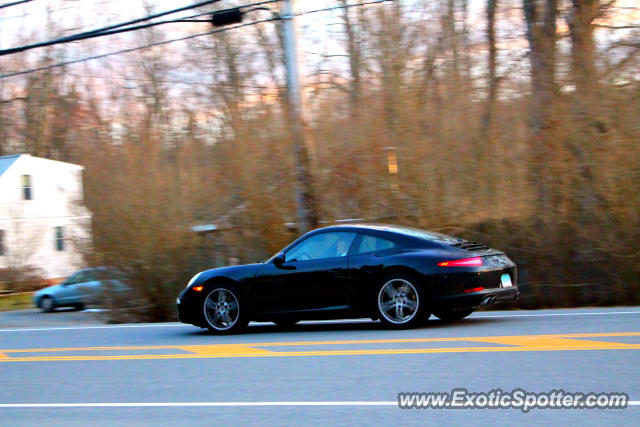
(452, 315)
(223, 310)
(47, 304)
(400, 302)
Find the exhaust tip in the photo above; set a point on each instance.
(488, 300)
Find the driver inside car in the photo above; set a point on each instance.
(342, 247)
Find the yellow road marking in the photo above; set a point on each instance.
(224, 350)
(488, 339)
(557, 342)
(553, 342)
(50, 350)
(310, 353)
(447, 339)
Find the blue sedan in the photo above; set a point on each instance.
(81, 288)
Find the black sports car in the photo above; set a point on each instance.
(399, 275)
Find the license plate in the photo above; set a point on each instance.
(506, 281)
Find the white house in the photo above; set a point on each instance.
(44, 224)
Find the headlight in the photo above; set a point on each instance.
(193, 279)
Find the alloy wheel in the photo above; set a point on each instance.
(221, 309)
(398, 301)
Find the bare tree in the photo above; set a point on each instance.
(580, 20)
(540, 17)
(354, 53)
(492, 77)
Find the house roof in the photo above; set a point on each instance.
(7, 161)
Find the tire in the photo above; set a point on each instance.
(224, 311)
(400, 302)
(451, 315)
(47, 304)
(286, 323)
(79, 307)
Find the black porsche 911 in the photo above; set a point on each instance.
(399, 275)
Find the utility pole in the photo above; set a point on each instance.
(305, 200)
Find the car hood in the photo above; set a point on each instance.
(234, 272)
(48, 290)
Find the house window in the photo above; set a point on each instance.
(59, 239)
(2, 249)
(26, 187)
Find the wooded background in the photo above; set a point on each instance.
(517, 126)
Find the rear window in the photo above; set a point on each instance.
(427, 235)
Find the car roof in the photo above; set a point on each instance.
(411, 232)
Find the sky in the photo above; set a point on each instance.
(82, 15)
(316, 33)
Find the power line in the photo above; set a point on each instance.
(15, 3)
(133, 49)
(160, 14)
(118, 28)
(102, 34)
(112, 29)
(118, 52)
(153, 24)
(147, 18)
(327, 9)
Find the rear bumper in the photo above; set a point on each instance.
(480, 298)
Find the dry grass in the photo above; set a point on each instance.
(18, 301)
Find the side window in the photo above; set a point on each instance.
(2, 248)
(26, 187)
(89, 276)
(76, 278)
(59, 239)
(83, 276)
(324, 245)
(373, 244)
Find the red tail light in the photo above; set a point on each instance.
(466, 291)
(467, 262)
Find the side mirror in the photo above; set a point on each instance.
(278, 260)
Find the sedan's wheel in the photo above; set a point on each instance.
(400, 302)
(47, 304)
(451, 315)
(223, 312)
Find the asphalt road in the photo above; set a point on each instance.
(172, 374)
(34, 318)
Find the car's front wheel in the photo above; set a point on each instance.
(452, 315)
(47, 304)
(223, 310)
(400, 302)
